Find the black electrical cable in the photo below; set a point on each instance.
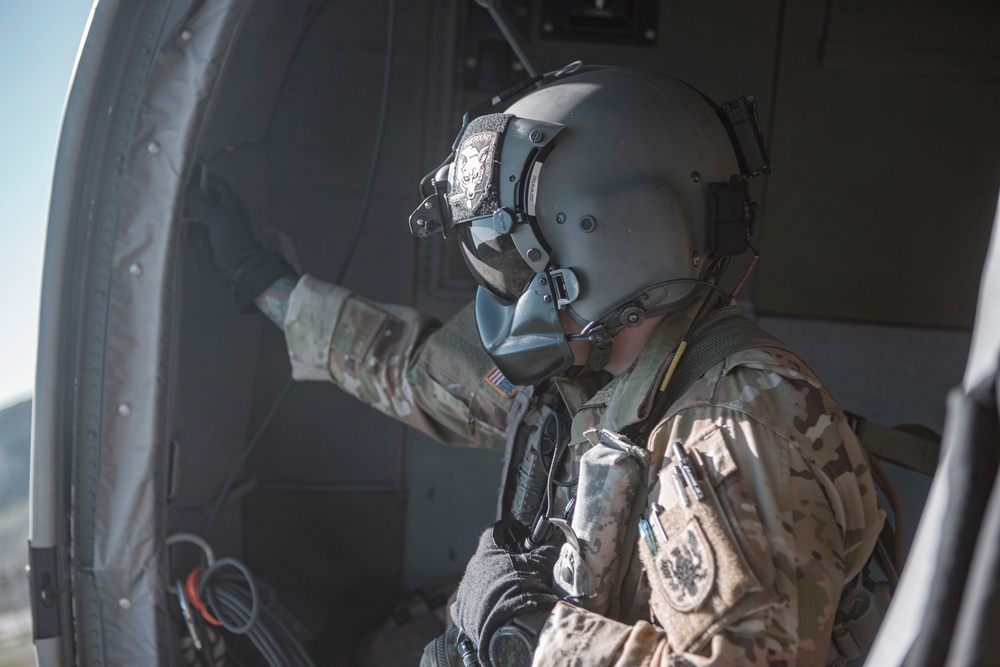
(247, 450)
(379, 133)
(312, 14)
(244, 611)
(235, 599)
(540, 523)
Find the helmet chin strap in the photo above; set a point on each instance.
(601, 332)
(633, 312)
(597, 359)
(601, 335)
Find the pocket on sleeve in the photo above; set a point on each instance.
(697, 565)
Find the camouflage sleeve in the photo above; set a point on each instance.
(751, 573)
(401, 362)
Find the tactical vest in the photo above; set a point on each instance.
(607, 580)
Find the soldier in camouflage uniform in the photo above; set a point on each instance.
(718, 527)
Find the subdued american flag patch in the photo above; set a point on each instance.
(504, 386)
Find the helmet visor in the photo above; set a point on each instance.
(493, 259)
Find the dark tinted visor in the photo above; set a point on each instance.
(493, 259)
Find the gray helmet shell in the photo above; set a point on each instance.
(622, 199)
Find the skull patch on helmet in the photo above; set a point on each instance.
(472, 170)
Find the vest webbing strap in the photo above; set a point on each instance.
(895, 445)
(720, 334)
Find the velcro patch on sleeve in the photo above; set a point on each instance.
(500, 384)
(700, 577)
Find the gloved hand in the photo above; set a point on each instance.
(501, 582)
(238, 258)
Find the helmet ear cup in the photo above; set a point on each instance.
(734, 217)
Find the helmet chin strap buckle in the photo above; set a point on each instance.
(602, 332)
(596, 333)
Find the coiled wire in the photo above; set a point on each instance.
(241, 606)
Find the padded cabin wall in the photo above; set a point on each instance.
(214, 368)
(324, 522)
(319, 510)
(330, 519)
(318, 156)
(321, 506)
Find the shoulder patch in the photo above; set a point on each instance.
(688, 567)
(500, 384)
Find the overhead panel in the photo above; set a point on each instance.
(613, 21)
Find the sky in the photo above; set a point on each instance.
(39, 40)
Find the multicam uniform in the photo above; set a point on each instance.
(747, 568)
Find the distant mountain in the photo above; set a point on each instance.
(15, 447)
(15, 451)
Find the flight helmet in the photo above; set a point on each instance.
(608, 193)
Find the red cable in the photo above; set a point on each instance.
(191, 589)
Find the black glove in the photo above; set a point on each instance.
(238, 258)
(502, 581)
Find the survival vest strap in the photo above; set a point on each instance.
(719, 334)
(726, 331)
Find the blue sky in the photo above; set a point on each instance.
(39, 40)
